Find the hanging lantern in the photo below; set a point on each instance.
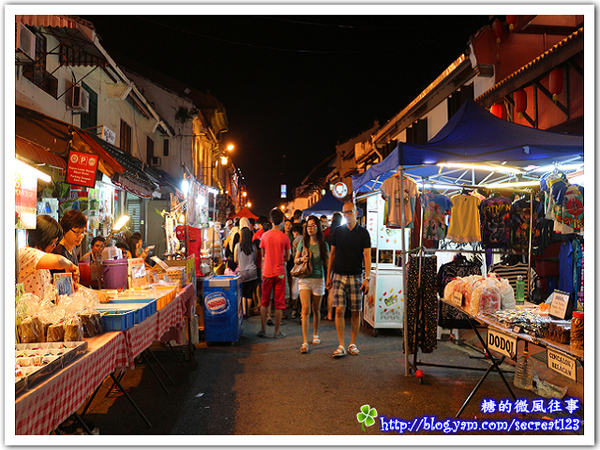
(556, 83)
(520, 98)
(498, 30)
(511, 21)
(497, 110)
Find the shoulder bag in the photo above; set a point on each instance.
(302, 269)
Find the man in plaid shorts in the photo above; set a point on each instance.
(350, 251)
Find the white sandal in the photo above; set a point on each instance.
(353, 349)
(304, 348)
(316, 339)
(340, 351)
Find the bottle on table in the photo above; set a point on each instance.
(524, 372)
(520, 294)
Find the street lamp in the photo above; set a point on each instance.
(230, 147)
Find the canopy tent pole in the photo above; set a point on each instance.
(404, 258)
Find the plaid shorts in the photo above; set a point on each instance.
(347, 287)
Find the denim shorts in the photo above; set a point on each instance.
(347, 287)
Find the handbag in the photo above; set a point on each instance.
(302, 269)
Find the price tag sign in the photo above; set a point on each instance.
(559, 305)
(457, 298)
(502, 343)
(563, 364)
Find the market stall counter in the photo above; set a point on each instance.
(41, 409)
(504, 335)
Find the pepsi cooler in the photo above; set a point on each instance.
(223, 314)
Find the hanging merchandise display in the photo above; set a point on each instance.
(495, 222)
(436, 209)
(395, 198)
(464, 219)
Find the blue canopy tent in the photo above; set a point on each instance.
(327, 205)
(472, 135)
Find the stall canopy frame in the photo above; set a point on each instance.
(471, 135)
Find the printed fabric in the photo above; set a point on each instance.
(464, 220)
(35, 281)
(390, 190)
(436, 208)
(520, 218)
(426, 337)
(495, 222)
(449, 316)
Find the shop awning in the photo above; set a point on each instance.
(38, 154)
(105, 157)
(75, 34)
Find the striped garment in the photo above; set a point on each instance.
(511, 272)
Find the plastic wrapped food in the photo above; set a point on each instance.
(90, 320)
(577, 329)
(485, 297)
(559, 331)
(56, 332)
(507, 295)
(451, 287)
(73, 329)
(31, 330)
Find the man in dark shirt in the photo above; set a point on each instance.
(350, 250)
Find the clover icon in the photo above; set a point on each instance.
(366, 416)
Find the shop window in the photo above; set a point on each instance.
(125, 142)
(417, 132)
(149, 150)
(166, 147)
(134, 210)
(37, 73)
(456, 100)
(90, 120)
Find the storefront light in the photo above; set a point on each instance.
(185, 187)
(491, 168)
(120, 223)
(518, 184)
(29, 171)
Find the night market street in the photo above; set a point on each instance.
(264, 386)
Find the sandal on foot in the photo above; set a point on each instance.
(261, 333)
(304, 348)
(340, 351)
(316, 339)
(270, 322)
(279, 335)
(353, 349)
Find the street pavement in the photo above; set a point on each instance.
(266, 387)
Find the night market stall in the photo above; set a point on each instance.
(475, 150)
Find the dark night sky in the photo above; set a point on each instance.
(293, 86)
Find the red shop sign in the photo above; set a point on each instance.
(81, 169)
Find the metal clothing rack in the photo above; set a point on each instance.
(419, 322)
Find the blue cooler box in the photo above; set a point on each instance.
(223, 314)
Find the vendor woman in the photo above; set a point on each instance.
(36, 259)
(74, 225)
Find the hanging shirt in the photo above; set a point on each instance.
(520, 217)
(572, 209)
(495, 222)
(464, 220)
(565, 258)
(511, 272)
(436, 208)
(390, 190)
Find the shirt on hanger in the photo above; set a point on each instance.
(390, 190)
(495, 222)
(436, 208)
(520, 217)
(464, 220)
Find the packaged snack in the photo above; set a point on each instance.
(31, 330)
(73, 329)
(56, 332)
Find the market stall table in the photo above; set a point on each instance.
(490, 324)
(42, 409)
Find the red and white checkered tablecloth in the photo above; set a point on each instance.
(141, 336)
(42, 409)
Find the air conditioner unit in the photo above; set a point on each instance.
(24, 44)
(79, 100)
(156, 161)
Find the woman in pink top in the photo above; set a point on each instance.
(36, 259)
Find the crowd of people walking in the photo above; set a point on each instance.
(265, 253)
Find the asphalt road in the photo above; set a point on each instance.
(265, 387)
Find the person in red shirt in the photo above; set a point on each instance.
(275, 248)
